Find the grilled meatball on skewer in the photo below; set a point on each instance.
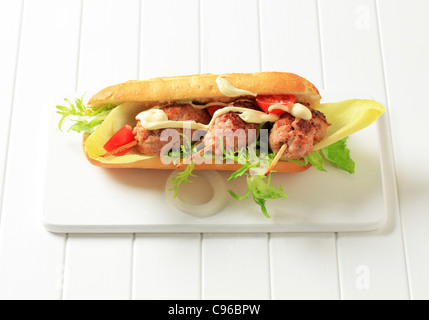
(228, 124)
(149, 141)
(299, 135)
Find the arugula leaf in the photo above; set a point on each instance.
(338, 155)
(86, 119)
(182, 177)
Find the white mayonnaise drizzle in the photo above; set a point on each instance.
(154, 119)
(227, 89)
(298, 110)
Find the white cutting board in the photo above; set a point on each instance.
(82, 198)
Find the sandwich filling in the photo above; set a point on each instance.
(296, 125)
(242, 114)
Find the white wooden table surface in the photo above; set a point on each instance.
(48, 47)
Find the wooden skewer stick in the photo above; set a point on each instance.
(120, 149)
(205, 149)
(276, 159)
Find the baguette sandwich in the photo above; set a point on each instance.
(251, 124)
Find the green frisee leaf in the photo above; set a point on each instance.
(85, 119)
(259, 186)
(182, 177)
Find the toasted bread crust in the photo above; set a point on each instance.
(203, 88)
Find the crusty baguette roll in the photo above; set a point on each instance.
(203, 88)
(160, 91)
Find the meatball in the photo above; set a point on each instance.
(299, 135)
(228, 124)
(149, 141)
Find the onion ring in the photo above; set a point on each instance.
(213, 186)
